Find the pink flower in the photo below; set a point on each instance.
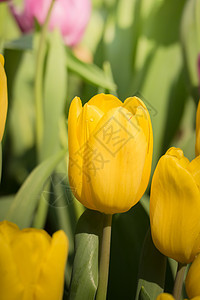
(70, 16)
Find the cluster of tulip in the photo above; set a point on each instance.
(110, 157)
(118, 185)
(111, 179)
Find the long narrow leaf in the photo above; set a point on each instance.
(22, 209)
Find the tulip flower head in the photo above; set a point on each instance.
(175, 206)
(32, 263)
(69, 16)
(3, 97)
(165, 296)
(110, 152)
(193, 279)
(197, 146)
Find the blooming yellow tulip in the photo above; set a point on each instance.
(165, 296)
(110, 152)
(192, 281)
(197, 146)
(3, 97)
(175, 206)
(32, 263)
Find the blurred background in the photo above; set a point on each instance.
(147, 48)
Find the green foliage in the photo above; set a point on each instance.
(190, 41)
(25, 202)
(152, 270)
(143, 295)
(84, 280)
(128, 232)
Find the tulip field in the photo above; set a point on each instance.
(99, 150)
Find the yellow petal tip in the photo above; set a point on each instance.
(2, 61)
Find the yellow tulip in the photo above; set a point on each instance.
(110, 152)
(32, 263)
(192, 281)
(3, 97)
(197, 146)
(175, 206)
(165, 296)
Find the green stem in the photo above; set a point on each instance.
(39, 79)
(104, 258)
(40, 217)
(178, 283)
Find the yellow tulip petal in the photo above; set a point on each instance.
(3, 97)
(75, 157)
(8, 230)
(197, 146)
(194, 169)
(175, 210)
(74, 112)
(193, 278)
(51, 277)
(105, 102)
(35, 246)
(165, 296)
(115, 166)
(2, 61)
(137, 107)
(10, 285)
(87, 122)
(178, 153)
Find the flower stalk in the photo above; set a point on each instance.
(178, 284)
(39, 79)
(104, 258)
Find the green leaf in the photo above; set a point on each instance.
(54, 95)
(128, 233)
(143, 295)
(85, 268)
(20, 71)
(89, 72)
(152, 269)
(25, 42)
(190, 38)
(5, 203)
(144, 201)
(160, 84)
(25, 202)
(8, 28)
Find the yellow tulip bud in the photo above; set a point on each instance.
(110, 152)
(175, 206)
(3, 97)
(165, 296)
(192, 281)
(197, 146)
(32, 263)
